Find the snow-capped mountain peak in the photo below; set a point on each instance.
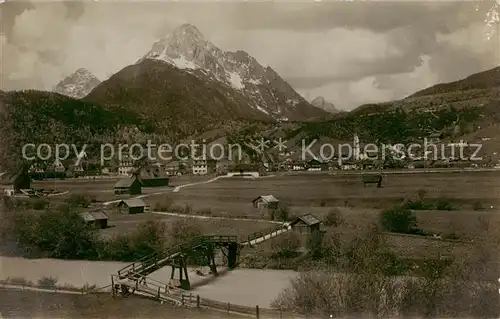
(77, 84)
(186, 48)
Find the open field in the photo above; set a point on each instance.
(102, 189)
(32, 304)
(123, 224)
(329, 190)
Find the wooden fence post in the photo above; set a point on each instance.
(197, 301)
(228, 307)
(257, 314)
(113, 289)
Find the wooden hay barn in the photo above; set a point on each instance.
(152, 176)
(98, 218)
(306, 224)
(129, 186)
(132, 206)
(266, 201)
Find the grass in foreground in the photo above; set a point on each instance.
(33, 304)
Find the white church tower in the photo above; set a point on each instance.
(356, 147)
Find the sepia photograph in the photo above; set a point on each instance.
(210, 159)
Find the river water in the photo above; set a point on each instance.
(241, 286)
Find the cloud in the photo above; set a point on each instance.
(350, 53)
(377, 16)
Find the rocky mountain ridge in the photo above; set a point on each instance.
(186, 48)
(323, 104)
(78, 84)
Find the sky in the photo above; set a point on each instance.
(351, 53)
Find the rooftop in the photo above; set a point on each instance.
(133, 202)
(94, 215)
(125, 182)
(267, 199)
(308, 219)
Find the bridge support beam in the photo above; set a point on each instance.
(183, 283)
(211, 262)
(232, 255)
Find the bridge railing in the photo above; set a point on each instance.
(142, 264)
(264, 232)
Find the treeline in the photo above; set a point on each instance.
(392, 127)
(60, 232)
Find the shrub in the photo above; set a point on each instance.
(334, 218)
(187, 208)
(59, 234)
(39, 204)
(398, 220)
(205, 211)
(183, 230)
(164, 205)
(444, 204)
(286, 246)
(77, 200)
(417, 205)
(47, 282)
(149, 237)
(477, 206)
(282, 213)
(19, 281)
(451, 236)
(421, 194)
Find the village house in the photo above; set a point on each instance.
(126, 166)
(75, 170)
(200, 167)
(204, 166)
(315, 165)
(298, 166)
(349, 165)
(151, 176)
(12, 184)
(128, 185)
(266, 201)
(132, 206)
(58, 167)
(253, 170)
(36, 168)
(97, 219)
(172, 168)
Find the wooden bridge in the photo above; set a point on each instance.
(133, 278)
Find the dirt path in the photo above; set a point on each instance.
(217, 217)
(165, 190)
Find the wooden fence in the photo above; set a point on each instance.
(191, 300)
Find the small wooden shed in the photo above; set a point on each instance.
(306, 224)
(13, 183)
(266, 201)
(97, 218)
(132, 206)
(129, 186)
